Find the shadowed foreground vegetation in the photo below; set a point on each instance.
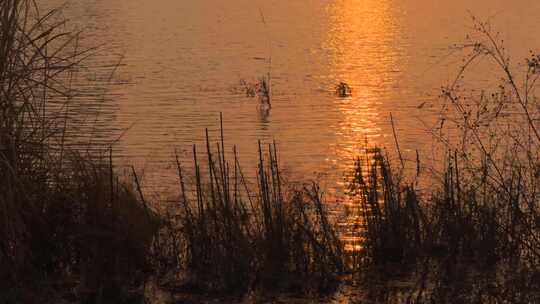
(473, 235)
(71, 230)
(229, 239)
(67, 224)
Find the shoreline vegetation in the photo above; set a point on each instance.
(72, 231)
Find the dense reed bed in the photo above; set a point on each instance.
(68, 225)
(278, 237)
(481, 210)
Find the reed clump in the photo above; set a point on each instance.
(260, 89)
(395, 229)
(468, 240)
(465, 240)
(491, 183)
(69, 227)
(483, 208)
(234, 240)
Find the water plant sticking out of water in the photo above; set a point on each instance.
(260, 89)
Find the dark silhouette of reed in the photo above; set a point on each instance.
(482, 210)
(68, 225)
(276, 237)
(260, 89)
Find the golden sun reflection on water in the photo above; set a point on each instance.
(363, 38)
(362, 35)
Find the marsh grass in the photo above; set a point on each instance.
(394, 219)
(482, 210)
(68, 226)
(492, 178)
(465, 242)
(236, 239)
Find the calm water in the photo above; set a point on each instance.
(181, 62)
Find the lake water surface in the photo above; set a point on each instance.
(180, 63)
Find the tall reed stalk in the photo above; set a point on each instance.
(65, 218)
(236, 239)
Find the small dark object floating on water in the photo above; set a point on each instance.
(343, 89)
